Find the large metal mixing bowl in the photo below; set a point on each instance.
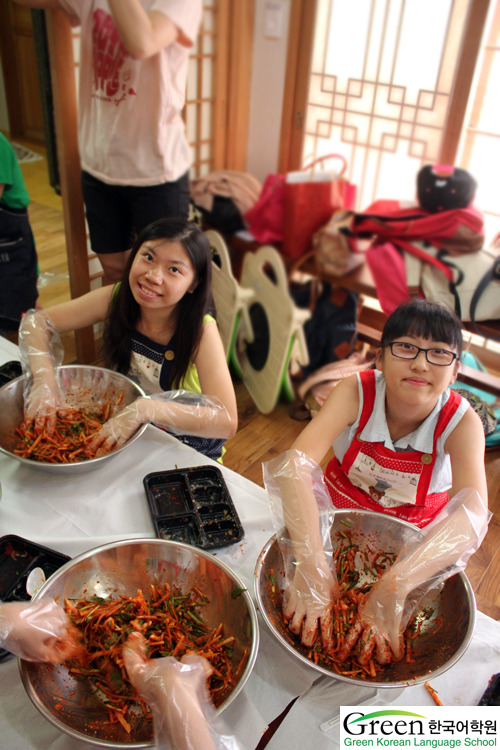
(433, 652)
(83, 387)
(121, 569)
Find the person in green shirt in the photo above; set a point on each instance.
(18, 258)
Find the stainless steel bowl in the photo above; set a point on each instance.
(83, 386)
(432, 652)
(121, 569)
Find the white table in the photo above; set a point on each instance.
(108, 504)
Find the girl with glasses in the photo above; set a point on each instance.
(404, 443)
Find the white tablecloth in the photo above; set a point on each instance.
(97, 507)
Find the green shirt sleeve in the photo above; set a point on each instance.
(14, 194)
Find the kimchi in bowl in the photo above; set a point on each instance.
(70, 702)
(83, 387)
(445, 617)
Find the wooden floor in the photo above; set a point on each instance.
(260, 437)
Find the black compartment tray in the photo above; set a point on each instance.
(9, 371)
(193, 506)
(18, 557)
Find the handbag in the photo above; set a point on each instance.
(310, 198)
(335, 249)
(330, 332)
(473, 292)
(266, 218)
(457, 230)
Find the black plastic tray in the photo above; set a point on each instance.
(18, 557)
(193, 506)
(9, 371)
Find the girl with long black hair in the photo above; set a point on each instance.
(159, 331)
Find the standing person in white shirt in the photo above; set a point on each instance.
(133, 148)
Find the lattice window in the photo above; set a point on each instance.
(380, 85)
(200, 97)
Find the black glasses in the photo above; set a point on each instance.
(441, 357)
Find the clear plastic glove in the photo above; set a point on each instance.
(119, 428)
(179, 412)
(176, 691)
(41, 352)
(300, 502)
(189, 413)
(37, 631)
(442, 552)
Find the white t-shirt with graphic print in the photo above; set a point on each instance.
(130, 128)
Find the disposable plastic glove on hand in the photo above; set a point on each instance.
(179, 412)
(41, 352)
(176, 691)
(117, 430)
(37, 631)
(189, 413)
(302, 515)
(443, 551)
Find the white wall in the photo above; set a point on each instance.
(268, 78)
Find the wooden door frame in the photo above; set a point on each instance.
(239, 62)
(469, 54)
(18, 87)
(232, 72)
(300, 44)
(9, 68)
(60, 41)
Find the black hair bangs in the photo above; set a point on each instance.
(428, 320)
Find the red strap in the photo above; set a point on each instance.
(367, 378)
(452, 403)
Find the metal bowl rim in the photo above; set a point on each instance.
(90, 463)
(161, 543)
(364, 683)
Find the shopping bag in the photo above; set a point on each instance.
(266, 218)
(310, 198)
